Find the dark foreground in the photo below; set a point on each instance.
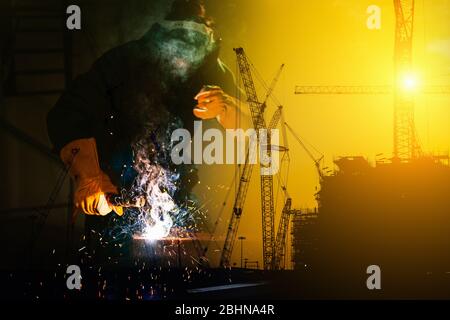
(148, 283)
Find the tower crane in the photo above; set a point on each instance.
(267, 202)
(286, 213)
(364, 89)
(405, 141)
(406, 145)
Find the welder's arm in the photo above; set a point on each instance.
(78, 111)
(92, 185)
(71, 125)
(213, 102)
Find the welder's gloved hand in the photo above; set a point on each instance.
(213, 102)
(91, 184)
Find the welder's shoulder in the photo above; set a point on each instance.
(88, 92)
(113, 65)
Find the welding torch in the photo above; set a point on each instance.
(125, 201)
(117, 202)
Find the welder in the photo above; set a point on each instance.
(137, 91)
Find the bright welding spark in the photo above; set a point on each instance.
(156, 231)
(157, 218)
(157, 184)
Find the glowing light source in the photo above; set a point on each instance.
(409, 82)
(157, 184)
(155, 232)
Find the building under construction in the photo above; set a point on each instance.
(394, 215)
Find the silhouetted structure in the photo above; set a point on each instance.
(304, 238)
(394, 215)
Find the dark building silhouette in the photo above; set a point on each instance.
(394, 215)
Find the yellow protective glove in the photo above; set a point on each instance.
(213, 102)
(92, 185)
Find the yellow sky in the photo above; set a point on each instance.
(327, 42)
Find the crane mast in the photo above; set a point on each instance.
(238, 205)
(267, 202)
(405, 141)
(280, 243)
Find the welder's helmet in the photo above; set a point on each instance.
(193, 33)
(188, 10)
(185, 39)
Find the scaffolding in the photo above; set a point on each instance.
(304, 238)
